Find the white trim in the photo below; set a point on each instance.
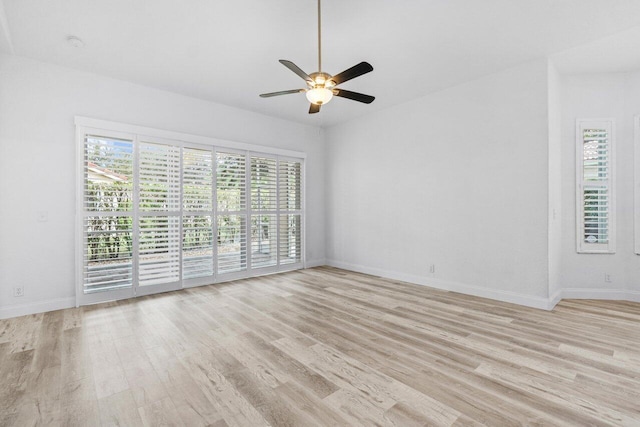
(601, 294)
(36, 307)
(554, 299)
(581, 245)
(570, 293)
(214, 219)
(505, 296)
(199, 281)
(79, 217)
(637, 183)
(180, 136)
(98, 297)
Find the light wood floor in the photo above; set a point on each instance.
(322, 347)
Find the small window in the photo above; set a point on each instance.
(595, 186)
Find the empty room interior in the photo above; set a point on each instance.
(319, 213)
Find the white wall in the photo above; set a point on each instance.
(38, 103)
(614, 96)
(457, 179)
(554, 91)
(477, 180)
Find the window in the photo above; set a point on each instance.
(595, 186)
(231, 193)
(158, 206)
(290, 210)
(107, 227)
(159, 214)
(264, 214)
(197, 213)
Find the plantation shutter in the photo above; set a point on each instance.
(107, 213)
(595, 186)
(264, 202)
(159, 213)
(231, 196)
(263, 184)
(290, 185)
(156, 212)
(197, 219)
(290, 209)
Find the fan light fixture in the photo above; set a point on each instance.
(319, 95)
(322, 86)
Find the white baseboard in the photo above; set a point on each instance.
(62, 303)
(315, 263)
(555, 299)
(505, 296)
(36, 307)
(512, 297)
(599, 293)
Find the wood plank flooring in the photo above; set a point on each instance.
(322, 347)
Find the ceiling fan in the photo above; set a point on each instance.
(321, 87)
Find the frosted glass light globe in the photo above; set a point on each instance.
(319, 95)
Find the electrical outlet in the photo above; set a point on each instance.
(18, 291)
(607, 278)
(42, 216)
(432, 268)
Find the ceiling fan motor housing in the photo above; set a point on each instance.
(320, 80)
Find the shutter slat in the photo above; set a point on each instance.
(289, 183)
(231, 181)
(159, 260)
(232, 243)
(595, 199)
(159, 177)
(290, 247)
(263, 184)
(197, 180)
(108, 253)
(197, 246)
(264, 252)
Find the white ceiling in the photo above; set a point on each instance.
(228, 51)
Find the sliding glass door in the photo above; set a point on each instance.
(107, 237)
(158, 200)
(197, 215)
(158, 215)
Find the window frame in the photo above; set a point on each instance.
(137, 134)
(636, 174)
(285, 212)
(140, 139)
(583, 247)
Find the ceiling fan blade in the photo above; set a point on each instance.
(282, 92)
(314, 109)
(352, 73)
(293, 67)
(360, 97)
